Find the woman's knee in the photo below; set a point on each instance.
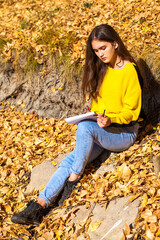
(83, 127)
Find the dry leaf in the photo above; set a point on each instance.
(149, 234)
(53, 89)
(93, 226)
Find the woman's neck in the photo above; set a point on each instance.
(117, 62)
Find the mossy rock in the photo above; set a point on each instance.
(54, 89)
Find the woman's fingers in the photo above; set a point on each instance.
(103, 121)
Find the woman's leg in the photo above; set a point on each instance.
(56, 183)
(111, 138)
(91, 140)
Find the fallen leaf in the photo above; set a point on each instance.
(93, 226)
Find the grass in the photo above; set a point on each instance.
(69, 70)
(31, 64)
(2, 43)
(52, 38)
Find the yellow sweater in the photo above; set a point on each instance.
(119, 95)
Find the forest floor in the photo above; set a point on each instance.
(26, 141)
(29, 31)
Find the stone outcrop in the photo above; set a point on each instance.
(50, 93)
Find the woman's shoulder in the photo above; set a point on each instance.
(129, 67)
(128, 64)
(130, 72)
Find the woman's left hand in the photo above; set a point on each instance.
(103, 121)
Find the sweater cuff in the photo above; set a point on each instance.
(113, 119)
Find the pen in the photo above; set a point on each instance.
(104, 112)
(88, 108)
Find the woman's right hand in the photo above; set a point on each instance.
(103, 121)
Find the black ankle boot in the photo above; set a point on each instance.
(31, 215)
(67, 190)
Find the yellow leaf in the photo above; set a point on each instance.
(131, 199)
(41, 187)
(74, 128)
(39, 60)
(60, 88)
(53, 89)
(124, 171)
(27, 143)
(145, 200)
(22, 105)
(152, 219)
(146, 214)
(53, 162)
(20, 102)
(149, 234)
(127, 229)
(1, 149)
(20, 205)
(94, 226)
(7, 208)
(47, 140)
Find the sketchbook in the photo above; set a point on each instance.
(78, 118)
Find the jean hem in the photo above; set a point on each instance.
(77, 173)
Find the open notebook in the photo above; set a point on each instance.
(78, 118)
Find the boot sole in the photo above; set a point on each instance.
(24, 221)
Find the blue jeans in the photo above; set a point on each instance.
(91, 140)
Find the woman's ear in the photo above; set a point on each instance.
(115, 45)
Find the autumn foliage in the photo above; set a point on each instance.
(36, 28)
(26, 141)
(39, 27)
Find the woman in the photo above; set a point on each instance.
(111, 80)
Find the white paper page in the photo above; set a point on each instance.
(76, 119)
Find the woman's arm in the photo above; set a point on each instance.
(131, 102)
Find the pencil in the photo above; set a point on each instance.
(104, 112)
(88, 108)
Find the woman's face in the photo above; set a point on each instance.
(105, 50)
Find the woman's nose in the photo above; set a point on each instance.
(100, 53)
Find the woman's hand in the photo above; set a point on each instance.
(103, 121)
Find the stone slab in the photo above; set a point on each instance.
(42, 173)
(113, 218)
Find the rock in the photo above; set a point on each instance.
(105, 168)
(156, 162)
(113, 218)
(42, 173)
(47, 95)
(110, 220)
(51, 95)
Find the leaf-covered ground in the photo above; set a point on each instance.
(41, 27)
(26, 141)
(36, 28)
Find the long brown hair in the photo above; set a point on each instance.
(95, 69)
